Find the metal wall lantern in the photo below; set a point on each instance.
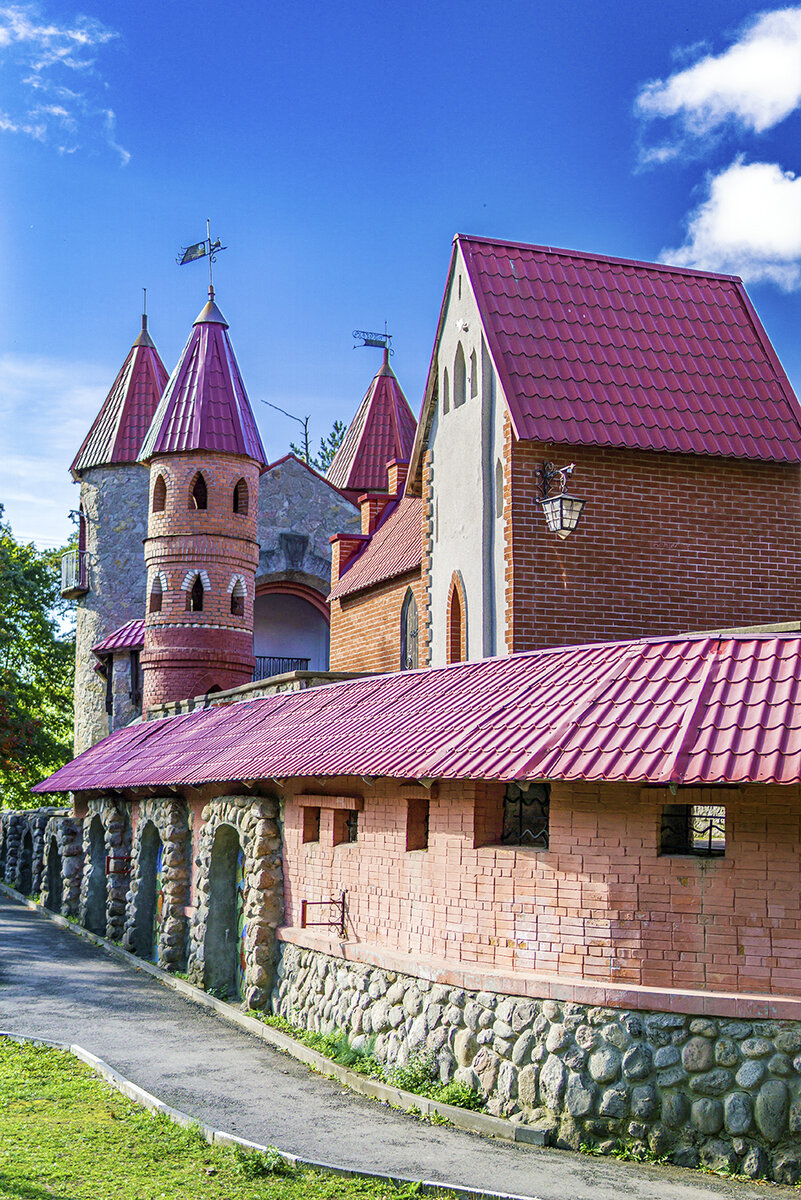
(562, 511)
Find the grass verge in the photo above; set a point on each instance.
(66, 1133)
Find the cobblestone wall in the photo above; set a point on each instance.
(68, 833)
(170, 818)
(722, 1093)
(117, 834)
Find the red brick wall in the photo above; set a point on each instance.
(666, 544)
(601, 903)
(366, 627)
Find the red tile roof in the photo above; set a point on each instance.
(609, 352)
(128, 637)
(117, 431)
(395, 548)
(685, 710)
(382, 429)
(205, 405)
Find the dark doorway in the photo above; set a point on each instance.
(97, 885)
(149, 895)
(25, 872)
(55, 878)
(224, 926)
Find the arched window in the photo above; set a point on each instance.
(241, 498)
(498, 489)
(156, 594)
(194, 597)
(446, 391)
(409, 633)
(159, 495)
(456, 645)
(473, 375)
(238, 594)
(199, 496)
(459, 378)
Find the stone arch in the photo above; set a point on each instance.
(53, 892)
(159, 495)
(107, 858)
(196, 585)
(198, 492)
(456, 624)
(66, 834)
(254, 822)
(169, 819)
(3, 845)
(459, 377)
(147, 919)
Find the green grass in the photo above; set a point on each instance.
(418, 1076)
(66, 1133)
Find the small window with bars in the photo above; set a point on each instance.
(526, 814)
(698, 829)
(346, 825)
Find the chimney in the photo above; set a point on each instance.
(397, 470)
(344, 547)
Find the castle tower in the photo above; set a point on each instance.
(201, 552)
(106, 574)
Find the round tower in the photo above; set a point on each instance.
(205, 456)
(106, 574)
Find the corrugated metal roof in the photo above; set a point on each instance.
(611, 352)
(205, 405)
(117, 430)
(686, 710)
(395, 548)
(129, 636)
(382, 429)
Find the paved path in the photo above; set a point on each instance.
(54, 985)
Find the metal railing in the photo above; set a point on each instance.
(275, 665)
(73, 572)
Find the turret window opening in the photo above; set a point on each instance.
(156, 595)
(459, 378)
(199, 496)
(159, 495)
(238, 599)
(241, 498)
(194, 597)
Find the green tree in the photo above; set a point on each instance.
(37, 657)
(328, 448)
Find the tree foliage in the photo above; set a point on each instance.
(37, 657)
(328, 448)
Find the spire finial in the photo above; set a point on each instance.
(144, 310)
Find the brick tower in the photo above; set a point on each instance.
(106, 574)
(201, 552)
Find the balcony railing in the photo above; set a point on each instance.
(74, 581)
(272, 665)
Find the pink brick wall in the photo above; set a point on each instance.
(601, 904)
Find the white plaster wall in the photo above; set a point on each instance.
(289, 626)
(466, 441)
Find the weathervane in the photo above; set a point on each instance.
(382, 340)
(206, 248)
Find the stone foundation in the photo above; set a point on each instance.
(715, 1092)
(68, 833)
(255, 821)
(170, 818)
(117, 833)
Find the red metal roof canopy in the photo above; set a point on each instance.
(685, 710)
(382, 429)
(609, 352)
(129, 636)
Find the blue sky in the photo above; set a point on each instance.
(337, 149)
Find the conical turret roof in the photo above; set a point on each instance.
(117, 431)
(205, 405)
(382, 429)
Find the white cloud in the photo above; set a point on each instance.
(41, 55)
(755, 84)
(748, 225)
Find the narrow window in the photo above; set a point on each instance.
(446, 391)
(473, 374)
(136, 680)
(498, 489)
(110, 684)
(346, 825)
(238, 599)
(409, 635)
(156, 595)
(456, 642)
(698, 829)
(159, 495)
(311, 824)
(199, 496)
(417, 824)
(460, 287)
(241, 498)
(459, 378)
(526, 813)
(194, 597)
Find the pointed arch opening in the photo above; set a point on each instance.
(409, 631)
(241, 498)
(446, 391)
(238, 594)
(199, 495)
(456, 624)
(55, 877)
(156, 595)
(459, 378)
(159, 494)
(97, 885)
(194, 596)
(473, 375)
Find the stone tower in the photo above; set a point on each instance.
(106, 573)
(201, 552)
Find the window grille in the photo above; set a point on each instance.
(526, 812)
(352, 826)
(698, 829)
(409, 633)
